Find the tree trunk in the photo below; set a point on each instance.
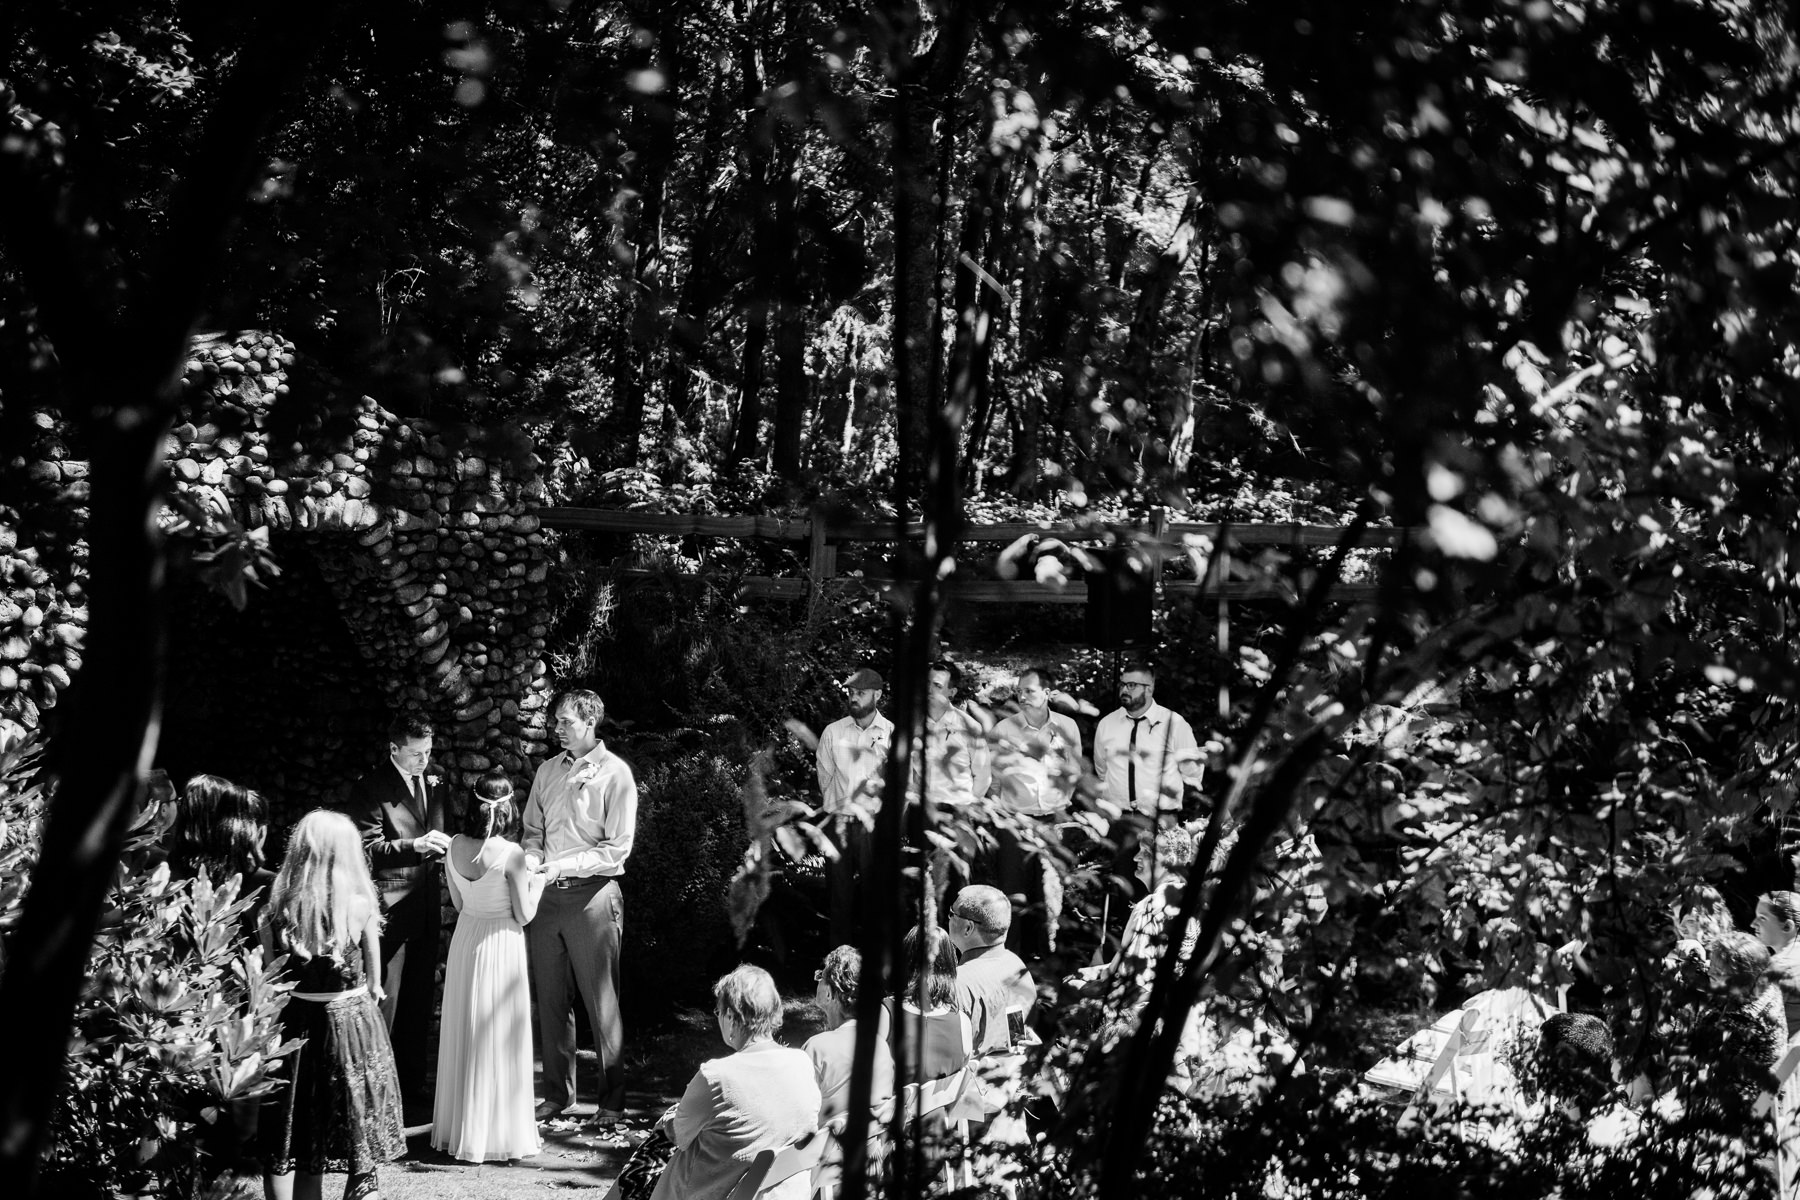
(791, 391)
(108, 736)
(746, 444)
(976, 296)
(1028, 402)
(915, 292)
(699, 295)
(1170, 414)
(653, 138)
(929, 442)
(830, 437)
(1001, 266)
(1123, 238)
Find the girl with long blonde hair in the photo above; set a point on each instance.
(340, 1110)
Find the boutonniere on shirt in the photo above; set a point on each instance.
(434, 780)
(584, 772)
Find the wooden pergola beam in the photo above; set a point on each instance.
(801, 529)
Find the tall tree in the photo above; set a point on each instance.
(119, 324)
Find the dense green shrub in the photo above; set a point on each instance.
(690, 839)
(1320, 1136)
(177, 1031)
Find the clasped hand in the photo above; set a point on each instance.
(433, 844)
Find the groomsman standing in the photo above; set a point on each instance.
(1036, 764)
(401, 816)
(852, 755)
(1143, 752)
(1144, 758)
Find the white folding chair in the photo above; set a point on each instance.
(1774, 1107)
(771, 1168)
(1459, 1041)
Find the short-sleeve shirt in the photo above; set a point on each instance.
(988, 982)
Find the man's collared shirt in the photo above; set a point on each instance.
(955, 755)
(1032, 763)
(849, 754)
(582, 813)
(415, 789)
(1162, 737)
(990, 980)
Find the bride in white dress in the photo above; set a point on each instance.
(483, 1111)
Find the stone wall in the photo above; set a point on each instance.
(423, 536)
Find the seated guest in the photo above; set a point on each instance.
(160, 798)
(1575, 1075)
(990, 979)
(1575, 1062)
(1777, 926)
(761, 1097)
(931, 1035)
(1737, 1039)
(833, 1051)
(219, 826)
(1163, 863)
(1700, 917)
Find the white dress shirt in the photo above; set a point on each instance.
(1162, 738)
(1035, 765)
(582, 813)
(955, 757)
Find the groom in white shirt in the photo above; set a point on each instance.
(580, 821)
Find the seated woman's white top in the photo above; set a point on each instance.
(833, 1053)
(764, 1097)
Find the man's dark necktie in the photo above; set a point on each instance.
(418, 788)
(1131, 763)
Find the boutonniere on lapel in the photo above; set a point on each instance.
(434, 780)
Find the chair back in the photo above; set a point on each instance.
(752, 1180)
(803, 1155)
(830, 1171)
(1457, 1044)
(772, 1167)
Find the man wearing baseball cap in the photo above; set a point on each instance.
(853, 754)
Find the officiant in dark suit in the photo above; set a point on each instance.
(401, 816)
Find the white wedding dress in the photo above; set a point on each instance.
(483, 1111)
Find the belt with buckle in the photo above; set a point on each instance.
(566, 882)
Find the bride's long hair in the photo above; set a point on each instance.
(323, 873)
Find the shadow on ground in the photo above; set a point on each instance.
(576, 1153)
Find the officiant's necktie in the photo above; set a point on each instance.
(1131, 763)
